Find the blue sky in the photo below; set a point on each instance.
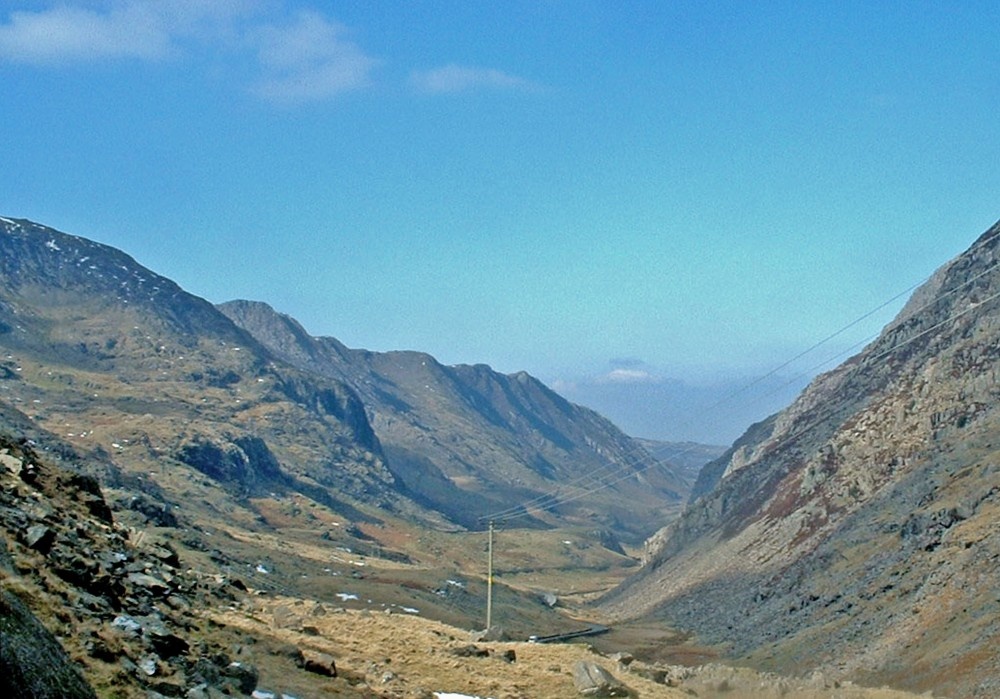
(591, 191)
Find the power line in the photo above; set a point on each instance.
(785, 440)
(556, 498)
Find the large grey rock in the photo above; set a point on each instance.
(319, 663)
(592, 680)
(243, 675)
(32, 663)
(154, 585)
(205, 691)
(40, 538)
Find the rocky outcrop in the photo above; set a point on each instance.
(124, 606)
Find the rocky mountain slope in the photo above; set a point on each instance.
(858, 531)
(117, 358)
(91, 606)
(113, 357)
(468, 441)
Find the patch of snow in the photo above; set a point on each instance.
(262, 569)
(410, 610)
(346, 596)
(51, 245)
(456, 583)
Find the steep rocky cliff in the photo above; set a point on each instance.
(857, 531)
(469, 441)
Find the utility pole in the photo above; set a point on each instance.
(489, 583)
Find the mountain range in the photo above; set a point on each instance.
(117, 358)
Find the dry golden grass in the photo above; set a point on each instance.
(404, 655)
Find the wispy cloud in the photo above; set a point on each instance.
(455, 78)
(293, 58)
(67, 34)
(309, 59)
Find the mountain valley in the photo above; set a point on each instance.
(193, 491)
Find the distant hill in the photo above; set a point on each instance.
(242, 403)
(856, 532)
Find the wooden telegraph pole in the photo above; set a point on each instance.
(489, 583)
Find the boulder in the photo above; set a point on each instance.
(624, 660)
(154, 585)
(32, 663)
(592, 680)
(319, 663)
(40, 538)
(166, 643)
(205, 691)
(243, 675)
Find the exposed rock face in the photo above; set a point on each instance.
(856, 531)
(32, 662)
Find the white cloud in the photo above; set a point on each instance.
(298, 58)
(456, 78)
(135, 29)
(66, 34)
(628, 376)
(310, 60)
